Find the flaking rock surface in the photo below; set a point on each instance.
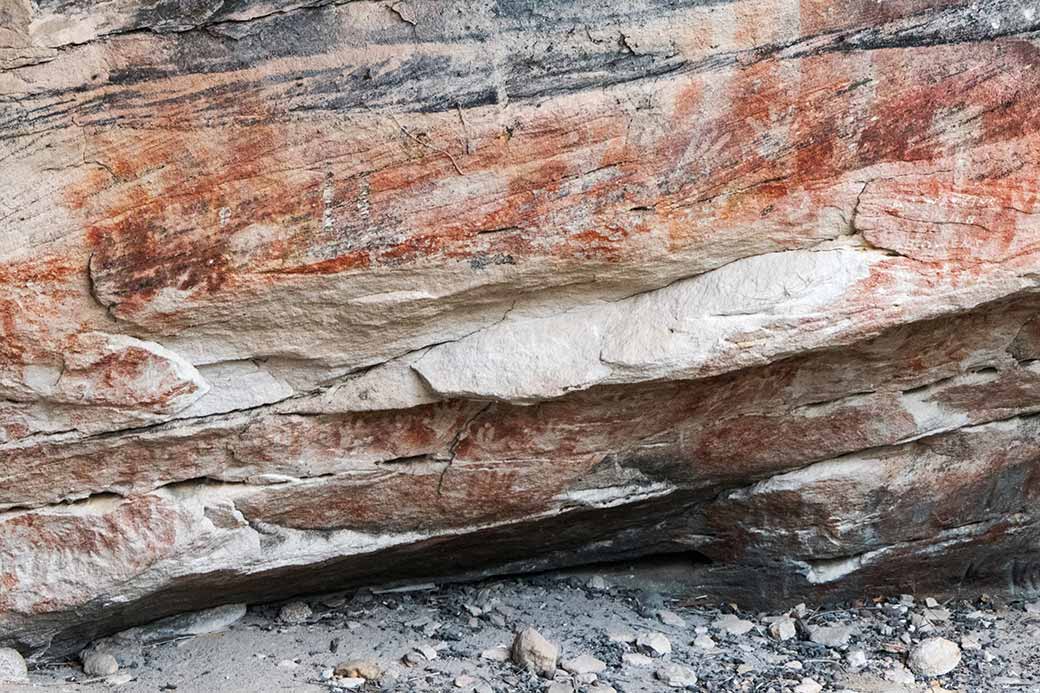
(304, 295)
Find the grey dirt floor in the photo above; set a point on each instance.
(445, 639)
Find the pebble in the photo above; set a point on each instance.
(931, 603)
(937, 615)
(830, 636)
(12, 666)
(464, 681)
(583, 664)
(676, 675)
(734, 625)
(856, 659)
(349, 683)
(783, 628)
(670, 618)
(533, 652)
(560, 687)
(119, 680)
(704, 642)
(794, 665)
(496, 654)
(294, 612)
(598, 584)
(636, 660)
(971, 642)
(808, 686)
(427, 651)
(656, 643)
(99, 664)
(601, 688)
(934, 657)
(358, 669)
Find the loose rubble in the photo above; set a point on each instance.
(557, 634)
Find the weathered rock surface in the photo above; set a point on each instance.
(306, 295)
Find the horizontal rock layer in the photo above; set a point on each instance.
(305, 295)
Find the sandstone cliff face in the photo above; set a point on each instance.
(308, 294)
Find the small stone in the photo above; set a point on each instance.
(119, 679)
(783, 628)
(484, 688)
(937, 615)
(906, 599)
(1032, 607)
(533, 652)
(496, 654)
(831, 636)
(473, 610)
(934, 657)
(808, 686)
(583, 664)
(348, 683)
(430, 653)
(464, 681)
(12, 666)
(288, 664)
(856, 659)
(931, 603)
(635, 659)
(670, 618)
(327, 674)
(704, 642)
(794, 665)
(413, 659)
(294, 612)
(598, 584)
(560, 687)
(734, 625)
(655, 643)
(800, 611)
(586, 678)
(358, 669)
(99, 664)
(676, 675)
(971, 642)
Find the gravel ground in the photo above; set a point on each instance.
(433, 640)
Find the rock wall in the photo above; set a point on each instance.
(305, 294)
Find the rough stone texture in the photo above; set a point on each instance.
(303, 295)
